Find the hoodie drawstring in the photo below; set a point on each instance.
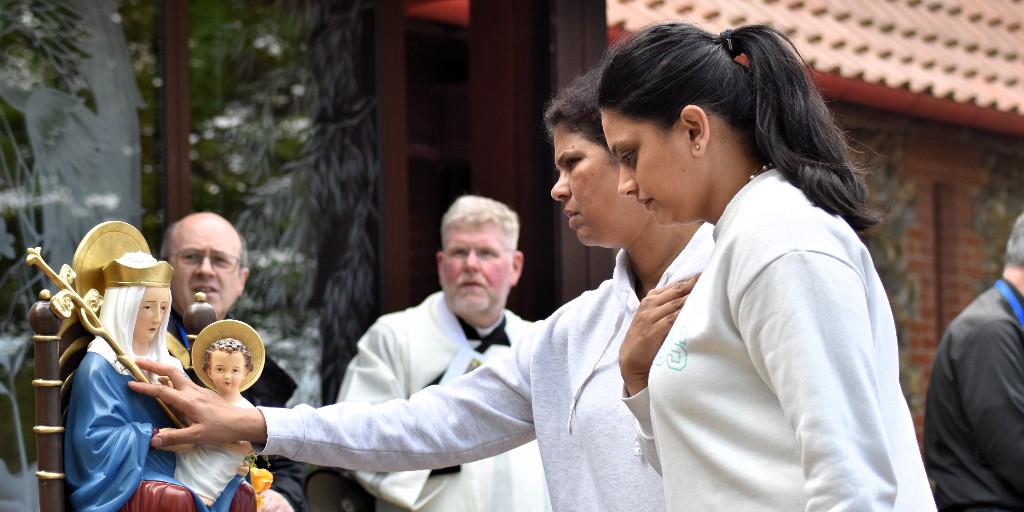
(579, 390)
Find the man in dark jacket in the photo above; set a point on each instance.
(209, 255)
(974, 415)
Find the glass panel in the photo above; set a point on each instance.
(77, 89)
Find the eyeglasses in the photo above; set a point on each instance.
(222, 262)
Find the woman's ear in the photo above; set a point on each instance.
(693, 122)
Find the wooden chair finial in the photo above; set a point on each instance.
(198, 315)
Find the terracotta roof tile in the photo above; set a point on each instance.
(967, 51)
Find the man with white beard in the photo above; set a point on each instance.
(449, 333)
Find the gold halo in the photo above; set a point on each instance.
(219, 330)
(102, 244)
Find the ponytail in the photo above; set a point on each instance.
(756, 81)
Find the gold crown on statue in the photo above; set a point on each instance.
(137, 269)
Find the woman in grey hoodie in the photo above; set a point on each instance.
(560, 385)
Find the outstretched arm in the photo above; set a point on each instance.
(478, 415)
(481, 414)
(210, 419)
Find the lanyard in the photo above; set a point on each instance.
(1012, 299)
(183, 335)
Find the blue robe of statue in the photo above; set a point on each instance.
(106, 444)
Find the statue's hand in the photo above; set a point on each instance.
(240, 447)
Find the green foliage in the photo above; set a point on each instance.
(247, 88)
(39, 42)
(250, 130)
(252, 161)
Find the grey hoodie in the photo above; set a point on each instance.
(560, 385)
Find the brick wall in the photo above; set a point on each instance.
(944, 253)
(951, 195)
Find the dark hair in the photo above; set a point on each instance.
(765, 95)
(229, 345)
(575, 108)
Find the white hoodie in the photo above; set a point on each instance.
(559, 385)
(778, 386)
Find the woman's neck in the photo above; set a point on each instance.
(654, 249)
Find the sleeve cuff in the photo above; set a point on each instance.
(285, 433)
(640, 405)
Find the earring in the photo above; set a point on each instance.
(697, 147)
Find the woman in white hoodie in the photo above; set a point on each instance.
(558, 385)
(777, 387)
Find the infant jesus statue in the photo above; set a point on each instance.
(232, 358)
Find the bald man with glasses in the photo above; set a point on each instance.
(209, 255)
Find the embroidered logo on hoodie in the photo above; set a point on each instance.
(673, 352)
